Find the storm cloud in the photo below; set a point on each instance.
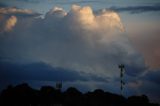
(79, 40)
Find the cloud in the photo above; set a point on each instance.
(10, 23)
(31, 1)
(151, 85)
(79, 2)
(135, 71)
(40, 71)
(80, 40)
(153, 76)
(137, 9)
(145, 37)
(135, 84)
(10, 15)
(17, 12)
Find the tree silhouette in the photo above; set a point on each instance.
(24, 95)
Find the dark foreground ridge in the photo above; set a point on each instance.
(24, 95)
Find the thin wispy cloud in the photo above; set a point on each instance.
(80, 2)
(137, 9)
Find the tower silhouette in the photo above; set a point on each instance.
(121, 67)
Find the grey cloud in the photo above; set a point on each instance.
(79, 2)
(151, 88)
(26, 1)
(153, 76)
(137, 9)
(131, 70)
(40, 71)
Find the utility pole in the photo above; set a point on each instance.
(121, 67)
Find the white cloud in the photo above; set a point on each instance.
(9, 17)
(13, 10)
(10, 23)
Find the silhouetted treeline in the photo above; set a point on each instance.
(24, 95)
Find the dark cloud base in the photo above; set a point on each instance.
(41, 72)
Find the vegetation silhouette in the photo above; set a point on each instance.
(24, 95)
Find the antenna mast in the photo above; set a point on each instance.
(121, 67)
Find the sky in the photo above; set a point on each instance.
(81, 43)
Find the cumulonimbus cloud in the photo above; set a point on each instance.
(80, 39)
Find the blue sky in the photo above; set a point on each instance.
(43, 6)
(81, 42)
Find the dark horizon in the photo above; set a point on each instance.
(23, 94)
